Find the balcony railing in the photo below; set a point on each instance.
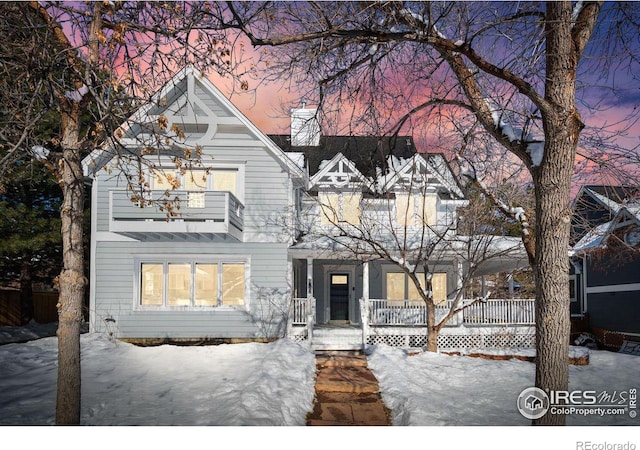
(198, 212)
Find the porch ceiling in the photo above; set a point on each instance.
(501, 253)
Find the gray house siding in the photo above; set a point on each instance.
(615, 311)
(258, 240)
(613, 295)
(611, 272)
(116, 307)
(266, 201)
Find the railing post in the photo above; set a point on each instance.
(364, 319)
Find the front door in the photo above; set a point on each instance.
(339, 296)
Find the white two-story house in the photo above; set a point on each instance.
(240, 235)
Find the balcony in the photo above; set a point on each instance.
(210, 215)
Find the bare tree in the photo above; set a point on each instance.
(398, 223)
(92, 65)
(505, 73)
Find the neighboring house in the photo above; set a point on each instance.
(252, 251)
(605, 269)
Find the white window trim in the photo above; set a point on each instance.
(391, 269)
(339, 210)
(572, 279)
(166, 164)
(165, 260)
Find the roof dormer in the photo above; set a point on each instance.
(338, 173)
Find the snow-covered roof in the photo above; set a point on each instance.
(594, 238)
(610, 204)
(500, 253)
(597, 237)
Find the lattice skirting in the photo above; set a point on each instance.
(485, 338)
(298, 334)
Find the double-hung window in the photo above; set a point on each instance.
(400, 287)
(342, 207)
(192, 284)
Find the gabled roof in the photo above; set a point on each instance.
(598, 204)
(367, 152)
(180, 104)
(618, 208)
(375, 157)
(338, 172)
(421, 169)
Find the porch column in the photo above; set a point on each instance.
(459, 270)
(309, 277)
(364, 303)
(310, 299)
(365, 280)
(458, 267)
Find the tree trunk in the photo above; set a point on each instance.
(72, 280)
(552, 182)
(432, 331)
(26, 289)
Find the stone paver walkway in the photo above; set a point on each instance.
(347, 393)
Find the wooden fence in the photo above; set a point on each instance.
(44, 307)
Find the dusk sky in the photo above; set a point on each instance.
(599, 105)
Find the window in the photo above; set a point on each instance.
(572, 288)
(152, 293)
(196, 182)
(340, 207)
(179, 285)
(199, 284)
(416, 210)
(401, 287)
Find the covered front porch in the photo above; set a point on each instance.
(347, 304)
(496, 323)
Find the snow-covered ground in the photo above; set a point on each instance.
(273, 385)
(438, 389)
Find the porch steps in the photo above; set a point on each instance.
(336, 337)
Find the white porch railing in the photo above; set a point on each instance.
(380, 312)
(300, 310)
(403, 321)
(401, 312)
(501, 312)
